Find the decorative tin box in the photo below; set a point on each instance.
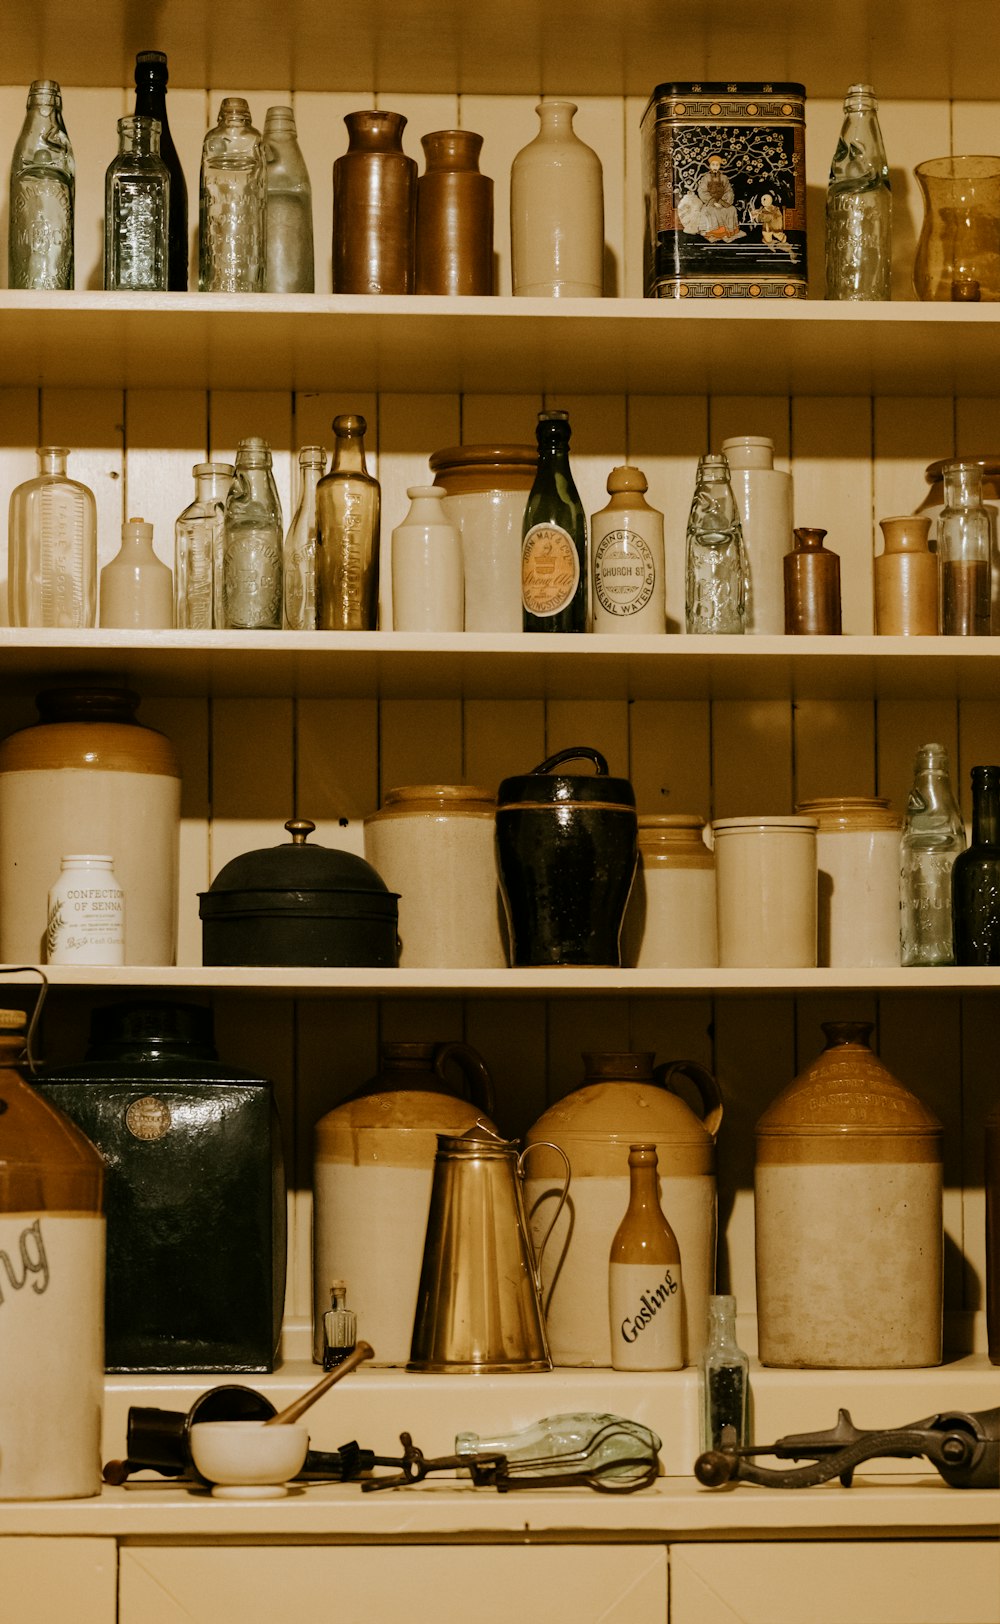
(725, 192)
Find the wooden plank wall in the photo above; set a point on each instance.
(249, 764)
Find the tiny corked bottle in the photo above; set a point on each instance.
(340, 1327)
(251, 543)
(348, 522)
(859, 205)
(964, 553)
(136, 210)
(645, 1299)
(554, 537)
(52, 548)
(290, 260)
(151, 102)
(933, 835)
(724, 1372)
(299, 551)
(716, 564)
(232, 216)
(198, 536)
(975, 877)
(42, 195)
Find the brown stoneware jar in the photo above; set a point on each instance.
(906, 580)
(812, 586)
(454, 216)
(374, 207)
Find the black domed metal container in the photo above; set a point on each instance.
(566, 852)
(299, 905)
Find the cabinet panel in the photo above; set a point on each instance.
(42, 1580)
(933, 1582)
(595, 1584)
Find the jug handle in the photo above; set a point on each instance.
(536, 1144)
(478, 1082)
(576, 752)
(704, 1082)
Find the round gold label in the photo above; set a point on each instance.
(550, 569)
(148, 1118)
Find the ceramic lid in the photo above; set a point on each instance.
(477, 468)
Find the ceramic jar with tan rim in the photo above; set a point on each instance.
(848, 1207)
(624, 1100)
(857, 855)
(670, 919)
(434, 844)
(906, 580)
(766, 883)
(486, 488)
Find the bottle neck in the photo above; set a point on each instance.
(963, 487)
(722, 1322)
(644, 1194)
(139, 137)
(212, 487)
(52, 462)
(151, 97)
(986, 806)
(553, 444)
(349, 454)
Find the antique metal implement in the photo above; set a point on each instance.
(492, 1468)
(963, 1446)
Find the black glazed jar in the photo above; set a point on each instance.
(566, 853)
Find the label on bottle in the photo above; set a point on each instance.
(86, 918)
(646, 1306)
(550, 569)
(624, 573)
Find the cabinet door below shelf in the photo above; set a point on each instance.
(45, 1580)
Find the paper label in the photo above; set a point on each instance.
(624, 573)
(646, 1306)
(550, 569)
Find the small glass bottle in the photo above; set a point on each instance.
(554, 537)
(964, 553)
(933, 835)
(137, 589)
(724, 1377)
(198, 537)
(251, 543)
(290, 264)
(716, 562)
(340, 1327)
(348, 508)
(232, 215)
(86, 913)
(52, 548)
(975, 877)
(136, 210)
(299, 551)
(627, 558)
(42, 195)
(859, 205)
(812, 586)
(151, 102)
(645, 1300)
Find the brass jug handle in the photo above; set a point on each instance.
(478, 1082)
(537, 1144)
(704, 1082)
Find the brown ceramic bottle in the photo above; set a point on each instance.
(993, 1236)
(812, 586)
(374, 207)
(906, 582)
(454, 216)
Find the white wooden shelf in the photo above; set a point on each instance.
(423, 344)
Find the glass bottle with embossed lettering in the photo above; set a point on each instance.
(251, 543)
(136, 210)
(232, 220)
(932, 838)
(299, 553)
(52, 548)
(348, 507)
(645, 1300)
(716, 563)
(42, 195)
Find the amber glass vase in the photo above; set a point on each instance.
(958, 254)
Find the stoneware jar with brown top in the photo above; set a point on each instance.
(670, 919)
(848, 1203)
(906, 580)
(857, 857)
(812, 586)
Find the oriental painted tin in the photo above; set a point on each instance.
(725, 192)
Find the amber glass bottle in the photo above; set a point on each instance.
(348, 505)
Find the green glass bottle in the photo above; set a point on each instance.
(975, 877)
(554, 544)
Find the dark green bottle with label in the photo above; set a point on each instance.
(554, 544)
(975, 877)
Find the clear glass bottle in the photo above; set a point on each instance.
(645, 1300)
(151, 102)
(348, 509)
(137, 588)
(52, 548)
(299, 552)
(933, 835)
(554, 537)
(136, 210)
(724, 1378)
(251, 543)
(42, 195)
(232, 217)
(859, 205)
(964, 553)
(975, 877)
(198, 537)
(716, 563)
(290, 264)
(340, 1327)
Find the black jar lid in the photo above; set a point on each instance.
(544, 784)
(297, 878)
(153, 1026)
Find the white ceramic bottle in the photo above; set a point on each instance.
(86, 918)
(428, 590)
(626, 554)
(137, 590)
(557, 211)
(764, 497)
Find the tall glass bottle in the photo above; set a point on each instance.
(859, 206)
(251, 543)
(198, 537)
(52, 548)
(299, 552)
(645, 1300)
(975, 877)
(554, 537)
(42, 195)
(290, 264)
(716, 563)
(151, 102)
(724, 1373)
(348, 510)
(232, 215)
(932, 838)
(136, 210)
(964, 553)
